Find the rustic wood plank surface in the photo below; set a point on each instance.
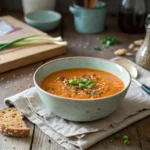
(79, 45)
(9, 85)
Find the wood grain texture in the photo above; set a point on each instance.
(143, 132)
(117, 144)
(139, 132)
(46, 143)
(10, 83)
(21, 56)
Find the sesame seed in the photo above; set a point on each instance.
(84, 46)
(2, 78)
(6, 87)
(28, 79)
(7, 81)
(30, 74)
(22, 76)
(32, 68)
(14, 75)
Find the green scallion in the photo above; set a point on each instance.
(89, 82)
(84, 80)
(125, 137)
(36, 39)
(96, 47)
(117, 136)
(126, 142)
(90, 85)
(81, 85)
(73, 82)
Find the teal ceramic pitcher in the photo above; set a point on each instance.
(89, 20)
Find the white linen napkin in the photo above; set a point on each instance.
(79, 136)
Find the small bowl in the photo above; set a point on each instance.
(81, 110)
(43, 20)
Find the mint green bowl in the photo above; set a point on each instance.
(81, 110)
(43, 20)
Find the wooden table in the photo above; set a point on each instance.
(139, 132)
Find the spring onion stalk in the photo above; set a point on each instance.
(37, 39)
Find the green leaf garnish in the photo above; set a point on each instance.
(107, 41)
(74, 82)
(84, 83)
(117, 136)
(126, 142)
(125, 137)
(90, 85)
(96, 47)
(81, 85)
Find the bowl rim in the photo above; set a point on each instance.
(26, 17)
(81, 100)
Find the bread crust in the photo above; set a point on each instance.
(12, 124)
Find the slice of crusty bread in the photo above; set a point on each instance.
(11, 123)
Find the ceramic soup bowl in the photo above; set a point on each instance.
(81, 110)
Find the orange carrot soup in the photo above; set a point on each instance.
(82, 83)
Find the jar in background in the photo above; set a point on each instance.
(132, 15)
(143, 55)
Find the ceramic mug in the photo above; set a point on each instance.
(89, 20)
(36, 5)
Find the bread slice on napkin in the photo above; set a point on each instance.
(11, 123)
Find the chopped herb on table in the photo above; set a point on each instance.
(126, 142)
(125, 137)
(108, 41)
(96, 47)
(117, 136)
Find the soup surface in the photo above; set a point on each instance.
(82, 83)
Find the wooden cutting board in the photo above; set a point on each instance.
(17, 57)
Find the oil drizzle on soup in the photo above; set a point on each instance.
(82, 83)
